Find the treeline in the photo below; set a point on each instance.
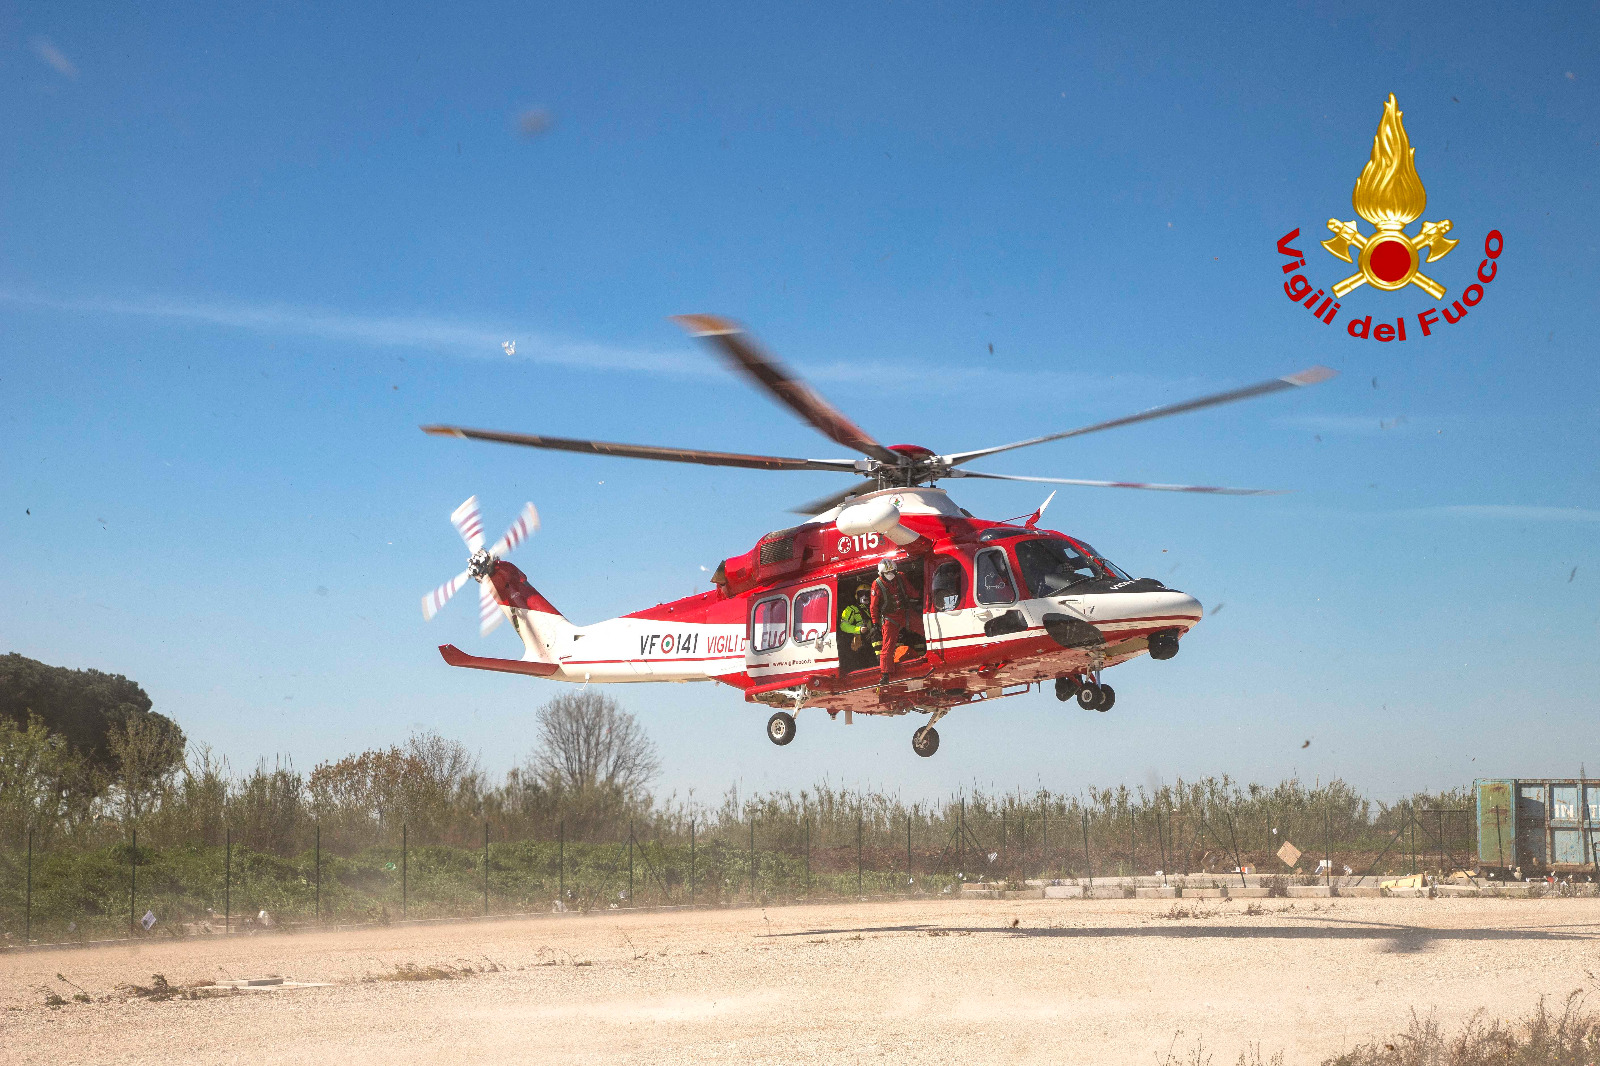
(436, 791)
(85, 762)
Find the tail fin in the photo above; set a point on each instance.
(541, 627)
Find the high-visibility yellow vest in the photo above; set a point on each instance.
(852, 620)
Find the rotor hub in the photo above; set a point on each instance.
(481, 565)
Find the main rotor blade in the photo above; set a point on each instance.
(741, 350)
(525, 526)
(830, 501)
(1119, 484)
(645, 451)
(1305, 377)
(441, 595)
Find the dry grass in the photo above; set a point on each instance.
(1571, 1038)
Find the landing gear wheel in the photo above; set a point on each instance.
(780, 728)
(1089, 696)
(1108, 696)
(925, 741)
(1066, 688)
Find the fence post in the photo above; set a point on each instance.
(1161, 842)
(405, 866)
(133, 882)
(561, 861)
(318, 861)
(808, 856)
(486, 868)
(858, 851)
(1441, 842)
(1327, 848)
(1044, 836)
(961, 837)
(1088, 863)
(227, 879)
(27, 908)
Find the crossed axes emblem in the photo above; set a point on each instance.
(1431, 236)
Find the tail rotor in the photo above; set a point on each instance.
(469, 523)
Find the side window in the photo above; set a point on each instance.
(769, 624)
(944, 593)
(994, 577)
(812, 618)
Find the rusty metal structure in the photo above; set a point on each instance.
(1539, 826)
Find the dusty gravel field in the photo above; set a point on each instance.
(1059, 981)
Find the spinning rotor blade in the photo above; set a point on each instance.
(830, 501)
(741, 350)
(441, 595)
(469, 523)
(489, 616)
(645, 451)
(525, 526)
(1119, 484)
(1305, 377)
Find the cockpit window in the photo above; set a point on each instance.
(1051, 566)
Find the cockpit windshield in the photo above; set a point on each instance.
(1051, 566)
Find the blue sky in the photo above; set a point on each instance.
(246, 253)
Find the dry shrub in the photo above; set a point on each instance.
(1571, 1038)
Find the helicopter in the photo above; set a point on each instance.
(1003, 607)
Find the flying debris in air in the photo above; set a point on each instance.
(1307, 744)
(1572, 575)
(509, 346)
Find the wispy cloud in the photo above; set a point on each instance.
(481, 340)
(47, 51)
(475, 340)
(1511, 512)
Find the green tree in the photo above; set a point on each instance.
(84, 707)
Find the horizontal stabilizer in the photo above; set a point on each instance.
(456, 657)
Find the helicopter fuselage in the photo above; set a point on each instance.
(999, 608)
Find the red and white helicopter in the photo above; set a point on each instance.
(1004, 605)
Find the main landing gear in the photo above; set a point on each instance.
(1091, 695)
(780, 728)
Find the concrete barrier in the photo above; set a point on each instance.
(1107, 892)
(1247, 892)
(1063, 891)
(1156, 893)
(1024, 893)
(1309, 891)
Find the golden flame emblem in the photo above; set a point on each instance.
(1389, 194)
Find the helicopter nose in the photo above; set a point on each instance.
(1187, 604)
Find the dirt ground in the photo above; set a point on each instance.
(1059, 981)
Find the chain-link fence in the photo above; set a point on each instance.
(760, 851)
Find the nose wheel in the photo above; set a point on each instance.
(925, 741)
(780, 728)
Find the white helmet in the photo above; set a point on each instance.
(886, 567)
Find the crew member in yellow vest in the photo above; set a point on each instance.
(856, 618)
